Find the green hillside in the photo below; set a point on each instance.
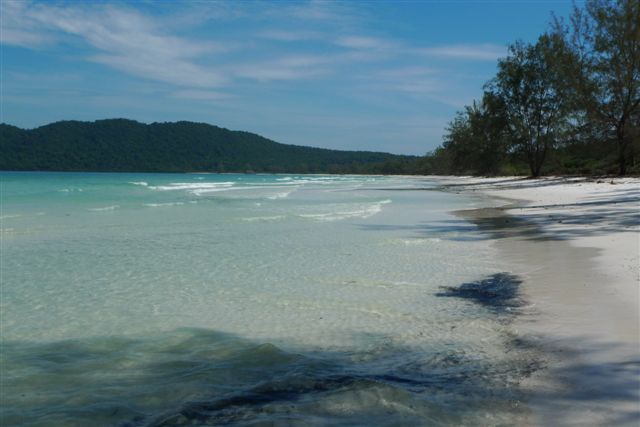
(120, 145)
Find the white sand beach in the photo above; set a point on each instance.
(575, 241)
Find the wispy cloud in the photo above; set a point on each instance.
(362, 42)
(122, 39)
(291, 35)
(482, 52)
(19, 28)
(322, 10)
(285, 68)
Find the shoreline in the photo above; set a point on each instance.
(574, 242)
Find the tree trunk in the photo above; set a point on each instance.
(536, 173)
(534, 167)
(622, 147)
(536, 159)
(622, 158)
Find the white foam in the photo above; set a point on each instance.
(359, 211)
(416, 241)
(105, 208)
(281, 195)
(142, 183)
(159, 205)
(9, 216)
(264, 218)
(200, 192)
(199, 186)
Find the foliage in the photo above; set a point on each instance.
(528, 85)
(120, 145)
(603, 64)
(568, 104)
(475, 139)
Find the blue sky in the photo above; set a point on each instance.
(368, 75)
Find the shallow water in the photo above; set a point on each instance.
(193, 299)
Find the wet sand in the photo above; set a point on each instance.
(575, 244)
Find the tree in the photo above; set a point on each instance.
(474, 138)
(487, 123)
(529, 88)
(458, 143)
(602, 60)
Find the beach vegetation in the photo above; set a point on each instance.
(602, 62)
(569, 103)
(529, 90)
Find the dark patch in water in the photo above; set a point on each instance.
(235, 407)
(199, 377)
(500, 292)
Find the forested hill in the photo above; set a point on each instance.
(120, 145)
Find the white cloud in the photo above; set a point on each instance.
(142, 45)
(483, 52)
(321, 10)
(290, 36)
(124, 40)
(18, 28)
(285, 68)
(360, 42)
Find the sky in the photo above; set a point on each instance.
(357, 75)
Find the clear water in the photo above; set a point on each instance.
(195, 299)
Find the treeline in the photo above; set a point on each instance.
(568, 103)
(120, 145)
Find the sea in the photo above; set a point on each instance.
(252, 300)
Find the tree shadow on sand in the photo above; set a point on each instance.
(607, 391)
(606, 215)
(574, 392)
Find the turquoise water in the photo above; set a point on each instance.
(198, 299)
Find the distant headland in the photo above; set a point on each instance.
(122, 145)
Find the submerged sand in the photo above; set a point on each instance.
(575, 241)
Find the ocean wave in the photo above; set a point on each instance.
(9, 216)
(416, 241)
(359, 211)
(104, 209)
(202, 191)
(281, 195)
(264, 193)
(194, 186)
(264, 218)
(160, 205)
(141, 183)
(319, 180)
